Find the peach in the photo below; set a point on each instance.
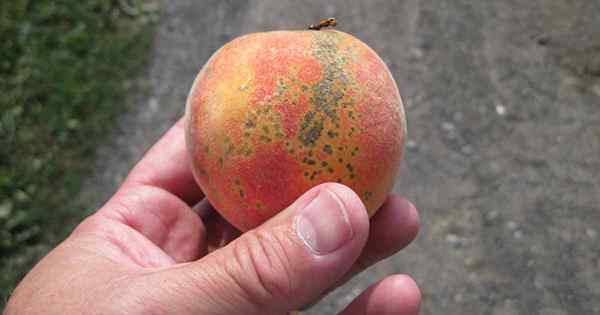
(273, 114)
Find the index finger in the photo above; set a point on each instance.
(167, 165)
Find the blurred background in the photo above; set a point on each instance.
(503, 153)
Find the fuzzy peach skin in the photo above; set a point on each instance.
(273, 114)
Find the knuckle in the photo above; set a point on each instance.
(264, 261)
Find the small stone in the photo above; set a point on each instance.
(492, 215)
(467, 149)
(36, 163)
(472, 276)
(538, 282)
(494, 167)
(518, 234)
(596, 89)
(457, 116)
(469, 261)
(570, 80)
(411, 144)
(458, 298)
(153, 104)
(511, 225)
(5, 209)
(72, 123)
(21, 195)
(500, 109)
(567, 236)
(453, 239)
(447, 126)
(416, 53)
(591, 233)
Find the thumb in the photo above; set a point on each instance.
(287, 262)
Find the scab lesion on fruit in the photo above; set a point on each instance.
(328, 149)
(230, 149)
(250, 124)
(265, 139)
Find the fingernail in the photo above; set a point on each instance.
(323, 224)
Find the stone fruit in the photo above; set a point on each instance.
(273, 114)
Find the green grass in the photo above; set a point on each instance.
(65, 70)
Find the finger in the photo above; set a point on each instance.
(397, 295)
(167, 165)
(162, 218)
(392, 228)
(272, 269)
(219, 232)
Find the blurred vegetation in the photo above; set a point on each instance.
(65, 69)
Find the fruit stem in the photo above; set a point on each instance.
(329, 22)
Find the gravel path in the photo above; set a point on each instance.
(503, 104)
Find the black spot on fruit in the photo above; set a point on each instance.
(328, 149)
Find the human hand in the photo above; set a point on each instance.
(147, 251)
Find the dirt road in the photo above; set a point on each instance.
(503, 104)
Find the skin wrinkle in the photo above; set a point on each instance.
(113, 285)
(232, 273)
(295, 242)
(135, 257)
(271, 248)
(198, 280)
(239, 269)
(131, 195)
(175, 288)
(98, 229)
(165, 225)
